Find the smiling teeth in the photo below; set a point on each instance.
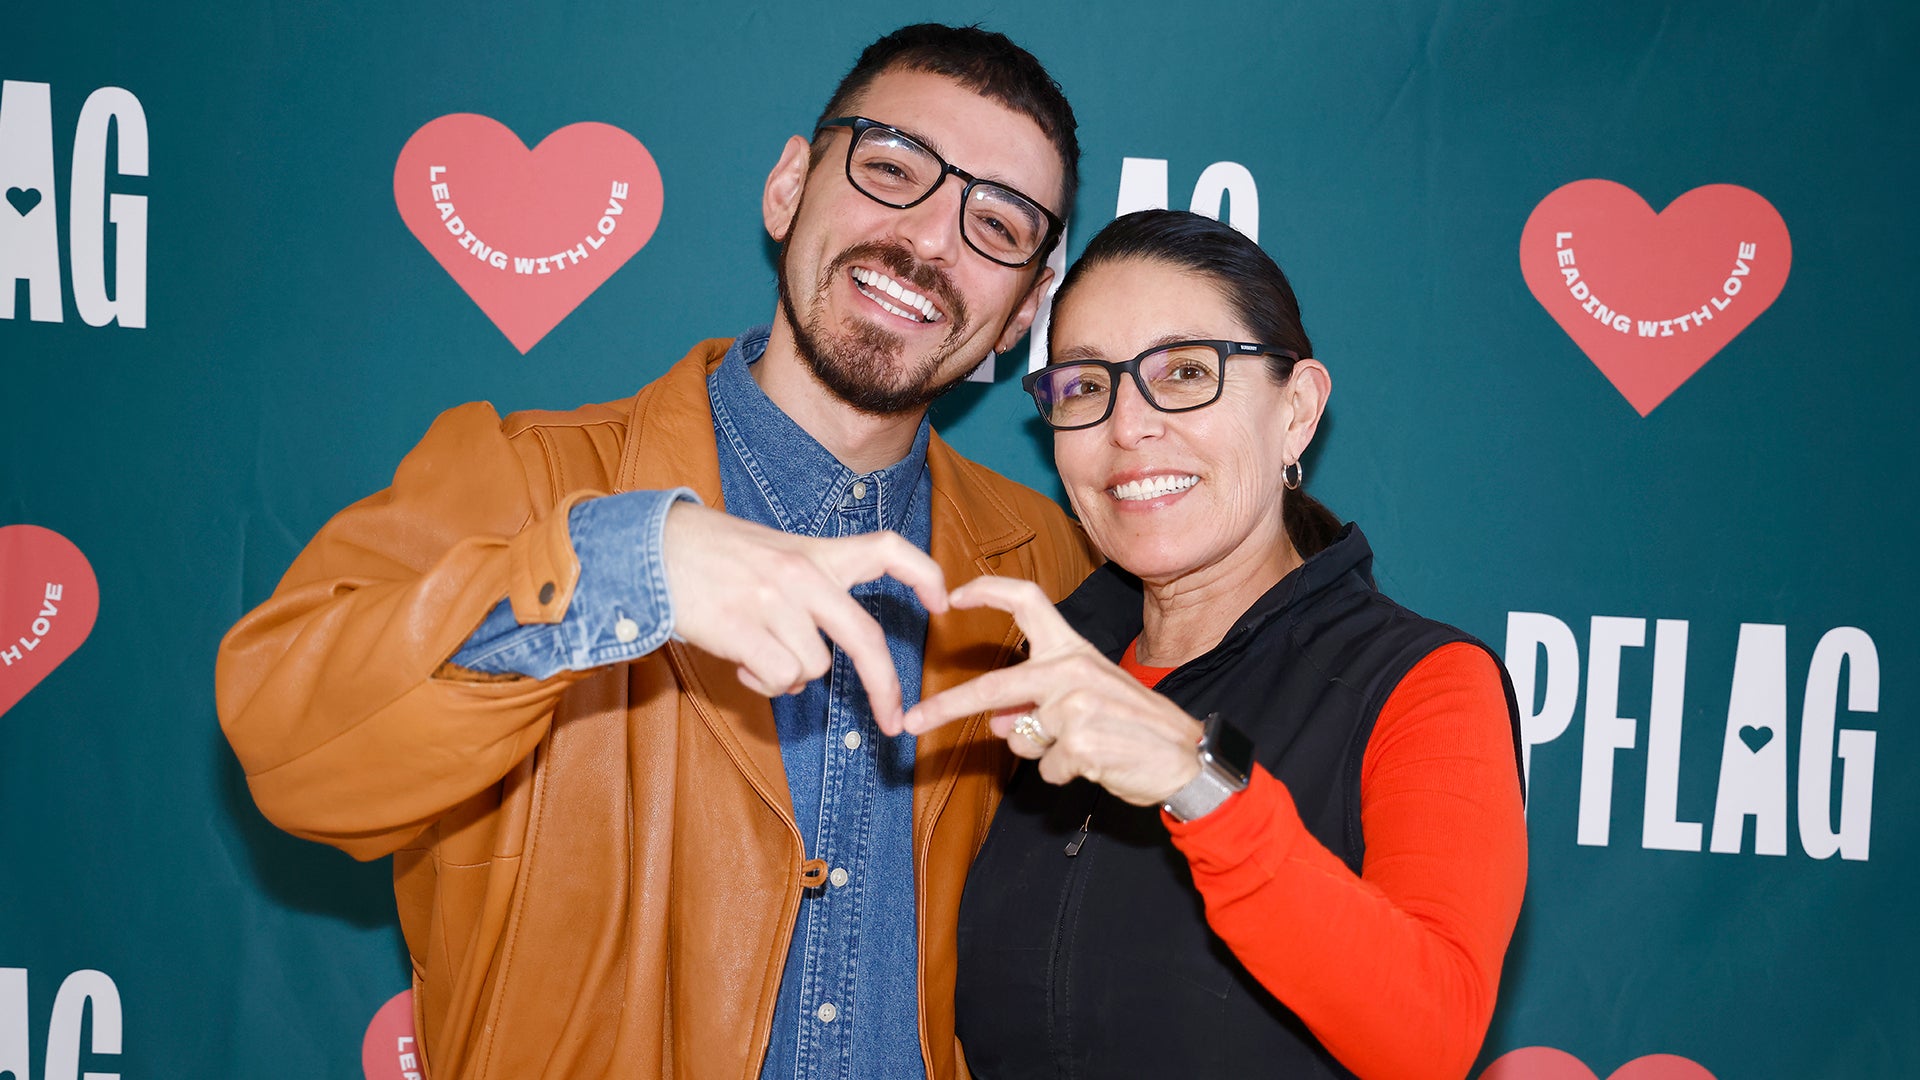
(877, 283)
(1153, 487)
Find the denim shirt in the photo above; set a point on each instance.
(620, 608)
(849, 993)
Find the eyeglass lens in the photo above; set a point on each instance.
(898, 171)
(1180, 377)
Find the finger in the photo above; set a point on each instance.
(767, 666)
(1006, 724)
(794, 631)
(1026, 685)
(754, 683)
(1057, 766)
(852, 560)
(1001, 723)
(860, 637)
(1017, 688)
(1022, 746)
(760, 684)
(1046, 630)
(1028, 731)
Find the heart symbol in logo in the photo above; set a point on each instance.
(529, 234)
(48, 602)
(1650, 298)
(23, 199)
(1756, 737)
(1546, 1063)
(387, 1050)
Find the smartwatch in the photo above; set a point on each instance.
(1226, 764)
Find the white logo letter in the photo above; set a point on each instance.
(14, 1051)
(1527, 633)
(63, 1031)
(1232, 180)
(1606, 730)
(1753, 759)
(91, 209)
(29, 238)
(1817, 835)
(1662, 827)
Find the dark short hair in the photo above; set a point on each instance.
(1251, 283)
(988, 64)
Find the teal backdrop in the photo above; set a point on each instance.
(1707, 603)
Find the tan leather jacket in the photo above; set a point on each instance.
(597, 874)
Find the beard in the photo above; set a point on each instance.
(862, 366)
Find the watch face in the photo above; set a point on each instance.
(1229, 748)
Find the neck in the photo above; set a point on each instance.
(861, 441)
(1186, 616)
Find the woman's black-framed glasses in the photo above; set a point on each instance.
(1180, 377)
(894, 169)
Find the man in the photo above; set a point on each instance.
(538, 673)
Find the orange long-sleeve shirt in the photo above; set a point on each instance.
(1394, 970)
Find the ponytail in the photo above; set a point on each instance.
(1311, 527)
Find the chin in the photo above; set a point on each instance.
(1153, 559)
(1161, 571)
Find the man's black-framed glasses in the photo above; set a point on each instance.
(894, 169)
(1180, 377)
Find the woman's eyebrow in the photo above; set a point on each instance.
(1088, 352)
(1177, 335)
(1077, 352)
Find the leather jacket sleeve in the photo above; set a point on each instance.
(335, 692)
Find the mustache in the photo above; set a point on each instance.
(901, 266)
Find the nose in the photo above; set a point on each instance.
(932, 229)
(1133, 420)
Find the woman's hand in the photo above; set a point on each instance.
(1094, 720)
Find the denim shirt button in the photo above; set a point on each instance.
(838, 877)
(626, 630)
(859, 489)
(826, 1013)
(852, 740)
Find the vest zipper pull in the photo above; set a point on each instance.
(1079, 838)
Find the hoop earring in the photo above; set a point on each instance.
(1291, 474)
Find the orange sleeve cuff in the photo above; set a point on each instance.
(1261, 820)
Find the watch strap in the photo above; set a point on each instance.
(1226, 762)
(1203, 794)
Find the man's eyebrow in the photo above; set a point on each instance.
(928, 142)
(922, 138)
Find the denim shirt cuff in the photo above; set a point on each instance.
(621, 608)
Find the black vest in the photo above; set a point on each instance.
(1101, 963)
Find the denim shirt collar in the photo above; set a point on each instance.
(801, 481)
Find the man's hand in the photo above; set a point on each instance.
(762, 598)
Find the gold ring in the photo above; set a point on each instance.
(1031, 728)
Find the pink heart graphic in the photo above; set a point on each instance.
(529, 234)
(48, 602)
(1650, 298)
(388, 1050)
(1546, 1063)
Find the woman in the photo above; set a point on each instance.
(1336, 902)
